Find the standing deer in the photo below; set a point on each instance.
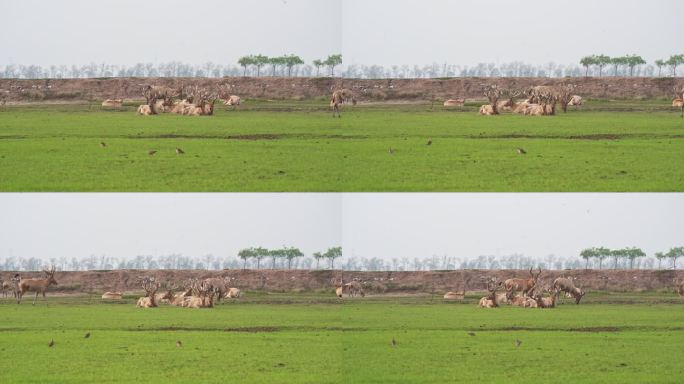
(37, 285)
(564, 284)
(680, 288)
(150, 285)
(339, 98)
(524, 285)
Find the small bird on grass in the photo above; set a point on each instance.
(103, 144)
(521, 151)
(151, 153)
(517, 343)
(179, 344)
(391, 151)
(52, 343)
(394, 343)
(471, 333)
(429, 142)
(87, 335)
(179, 151)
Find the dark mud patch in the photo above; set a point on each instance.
(595, 329)
(255, 137)
(12, 137)
(555, 137)
(253, 329)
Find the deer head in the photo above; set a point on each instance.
(50, 275)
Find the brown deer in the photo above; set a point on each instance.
(203, 296)
(112, 296)
(525, 302)
(564, 284)
(547, 302)
(339, 98)
(491, 300)
(37, 285)
(339, 288)
(457, 295)
(454, 103)
(150, 285)
(680, 288)
(492, 93)
(233, 293)
(113, 103)
(524, 285)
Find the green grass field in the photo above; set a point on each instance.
(311, 338)
(297, 146)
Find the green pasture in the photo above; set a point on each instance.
(313, 338)
(298, 146)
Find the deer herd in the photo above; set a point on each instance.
(539, 100)
(529, 292)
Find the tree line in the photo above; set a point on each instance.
(628, 256)
(294, 66)
(293, 258)
(627, 63)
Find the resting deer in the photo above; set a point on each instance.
(150, 285)
(547, 302)
(491, 300)
(114, 103)
(454, 103)
(457, 295)
(203, 297)
(524, 285)
(112, 296)
(564, 284)
(37, 285)
(525, 302)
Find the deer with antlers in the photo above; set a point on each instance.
(509, 103)
(150, 285)
(564, 284)
(202, 296)
(491, 300)
(547, 302)
(199, 102)
(524, 285)
(492, 92)
(37, 285)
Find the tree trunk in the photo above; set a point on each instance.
(289, 263)
(244, 72)
(586, 264)
(244, 264)
(586, 71)
(317, 260)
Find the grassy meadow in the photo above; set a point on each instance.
(298, 146)
(314, 338)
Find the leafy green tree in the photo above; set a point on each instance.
(660, 64)
(318, 64)
(260, 61)
(318, 256)
(674, 61)
(633, 61)
(587, 254)
(633, 254)
(660, 256)
(588, 61)
(246, 254)
(291, 254)
(602, 253)
(617, 254)
(332, 254)
(260, 253)
(332, 61)
(674, 254)
(616, 62)
(275, 254)
(602, 61)
(246, 61)
(292, 61)
(275, 62)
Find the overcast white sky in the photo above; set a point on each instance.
(366, 225)
(365, 31)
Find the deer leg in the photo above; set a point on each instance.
(35, 298)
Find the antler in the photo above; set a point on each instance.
(150, 285)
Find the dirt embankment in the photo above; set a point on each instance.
(378, 282)
(310, 88)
